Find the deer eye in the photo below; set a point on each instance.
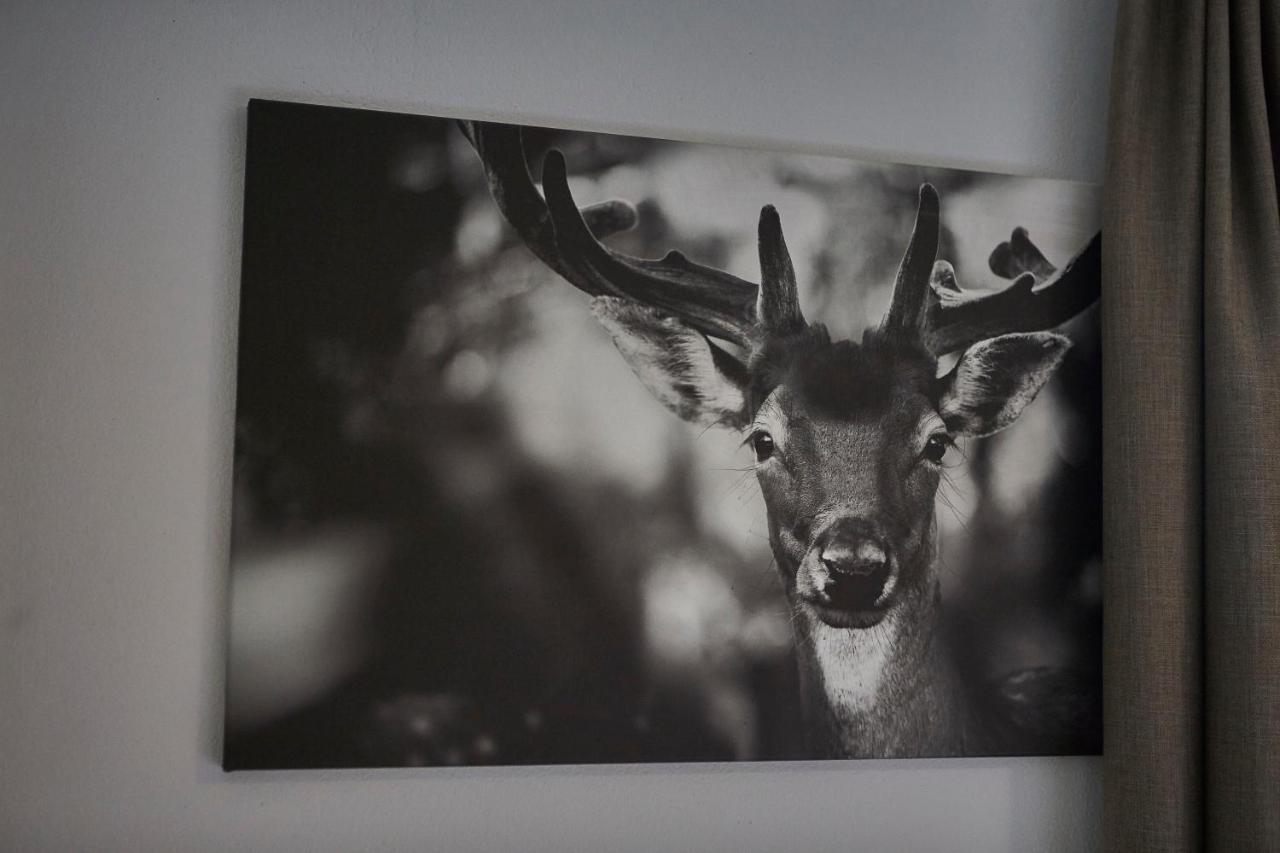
(762, 444)
(936, 447)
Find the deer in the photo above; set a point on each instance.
(848, 440)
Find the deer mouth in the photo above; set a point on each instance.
(835, 617)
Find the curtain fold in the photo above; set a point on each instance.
(1191, 378)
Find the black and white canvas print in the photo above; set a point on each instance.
(567, 447)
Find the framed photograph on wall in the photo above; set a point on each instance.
(556, 446)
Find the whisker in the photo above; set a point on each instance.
(735, 485)
(766, 576)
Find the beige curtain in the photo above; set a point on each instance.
(1191, 329)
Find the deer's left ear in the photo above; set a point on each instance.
(995, 379)
(687, 373)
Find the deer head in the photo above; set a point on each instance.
(848, 437)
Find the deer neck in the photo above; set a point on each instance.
(883, 691)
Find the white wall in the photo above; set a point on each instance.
(121, 153)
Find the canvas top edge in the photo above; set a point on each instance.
(777, 145)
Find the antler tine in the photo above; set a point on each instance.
(778, 310)
(955, 320)
(1019, 255)
(501, 151)
(710, 300)
(911, 288)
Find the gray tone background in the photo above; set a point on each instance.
(121, 158)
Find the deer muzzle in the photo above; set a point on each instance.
(851, 574)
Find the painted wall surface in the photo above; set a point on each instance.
(121, 158)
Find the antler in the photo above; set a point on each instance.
(911, 287)
(567, 240)
(929, 307)
(778, 310)
(1040, 296)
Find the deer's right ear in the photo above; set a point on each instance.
(688, 374)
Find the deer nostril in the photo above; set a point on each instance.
(857, 558)
(871, 553)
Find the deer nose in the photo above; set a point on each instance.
(857, 558)
(857, 568)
